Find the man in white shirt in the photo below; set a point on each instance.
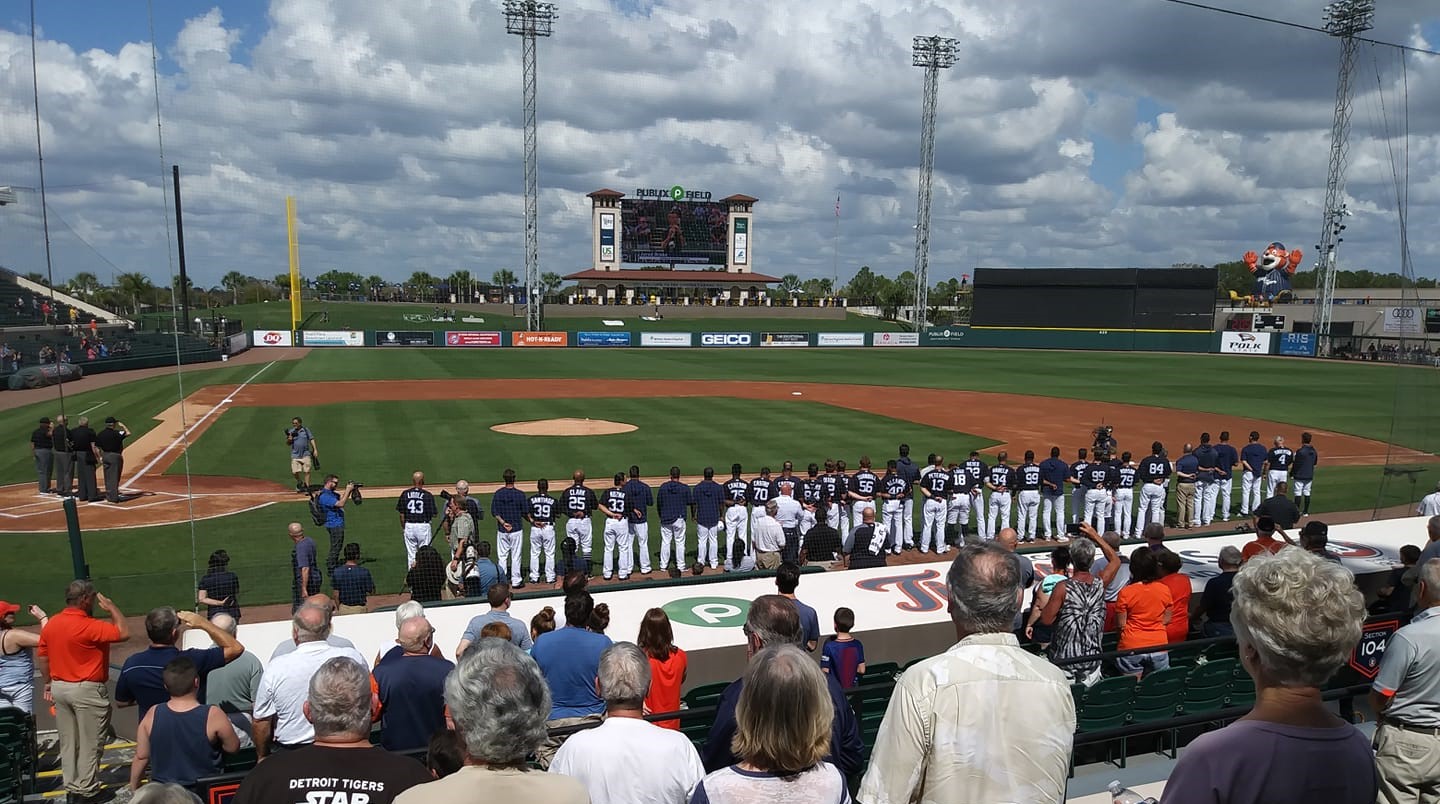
(334, 641)
(1430, 503)
(626, 760)
(767, 538)
(279, 705)
(787, 512)
(983, 721)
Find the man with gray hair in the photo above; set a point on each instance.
(279, 705)
(1411, 578)
(627, 760)
(233, 687)
(334, 640)
(411, 685)
(499, 702)
(767, 537)
(774, 620)
(985, 720)
(1217, 598)
(1406, 694)
(342, 765)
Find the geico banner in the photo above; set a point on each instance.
(727, 339)
(274, 337)
(784, 339)
(1245, 343)
(840, 339)
(539, 339)
(332, 337)
(1404, 321)
(472, 339)
(895, 339)
(666, 338)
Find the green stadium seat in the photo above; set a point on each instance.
(1106, 705)
(1207, 686)
(705, 695)
(881, 670)
(1185, 655)
(1157, 698)
(1222, 650)
(1242, 688)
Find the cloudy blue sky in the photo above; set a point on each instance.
(1098, 133)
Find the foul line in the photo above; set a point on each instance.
(184, 435)
(93, 407)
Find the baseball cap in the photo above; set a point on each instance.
(7, 608)
(44, 419)
(111, 420)
(1313, 528)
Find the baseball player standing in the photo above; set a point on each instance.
(1077, 479)
(1153, 472)
(580, 503)
(507, 507)
(863, 488)
(830, 488)
(935, 488)
(979, 472)
(638, 499)
(907, 469)
(617, 529)
(1277, 465)
(1028, 484)
(671, 502)
(737, 493)
(842, 502)
(1053, 473)
(959, 505)
(1096, 478)
(1227, 460)
(1206, 460)
(1000, 482)
(1124, 494)
(811, 491)
(708, 498)
(1252, 457)
(1304, 473)
(892, 491)
(417, 509)
(541, 516)
(761, 490)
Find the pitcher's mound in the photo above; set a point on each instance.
(564, 427)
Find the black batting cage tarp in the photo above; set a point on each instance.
(1095, 298)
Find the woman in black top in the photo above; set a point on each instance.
(427, 577)
(220, 587)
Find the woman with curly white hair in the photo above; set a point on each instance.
(1296, 617)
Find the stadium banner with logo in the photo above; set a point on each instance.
(539, 339)
(237, 343)
(1404, 321)
(468, 338)
(274, 337)
(681, 339)
(1245, 343)
(412, 337)
(895, 339)
(943, 336)
(1297, 344)
(602, 339)
(784, 339)
(723, 339)
(332, 337)
(840, 339)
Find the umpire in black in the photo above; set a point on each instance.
(61, 455)
(40, 445)
(86, 458)
(111, 442)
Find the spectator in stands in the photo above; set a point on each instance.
(158, 793)
(570, 561)
(1036, 631)
(1009, 539)
(351, 583)
(501, 596)
(869, 543)
(984, 721)
(403, 612)
(1178, 629)
(1265, 541)
(1076, 607)
(233, 687)
(1118, 581)
(1392, 597)
(844, 656)
(185, 736)
(219, 588)
(599, 618)
(496, 631)
(741, 559)
(333, 640)
(569, 657)
(627, 760)
(1296, 618)
(1406, 694)
(279, 706)
(411, 686)
(1216, 600)
(1143, 612)
(668, 665)
(341, 763)
(781, 737)
(1279, 508)
(427, 578)
(787, 579)
(542, 623)
(773, 620)
(17, 658)
(499, 701)
(1154, 536)
(822, 542)
(1314, 538)
(141, 681)
(446, 753)
(1430, 550)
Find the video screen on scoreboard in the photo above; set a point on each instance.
(664, 232)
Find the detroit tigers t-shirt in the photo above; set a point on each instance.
(318, 773)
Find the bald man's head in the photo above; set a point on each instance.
(867, 516)
(225, 623)
(311, 623)
(414, 636)
(296, 531)
(321, 601)
(417, 479)
(1008, 539)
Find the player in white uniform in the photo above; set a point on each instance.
(1028, 499)
(864, 487)
(617, 530)
(1277, 465)
(1125, 495)
(935, 488)
(736, 516)
(999, 483)
(541, 517)
(417, 508)
(580, 503)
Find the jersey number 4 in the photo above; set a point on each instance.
(415, 506)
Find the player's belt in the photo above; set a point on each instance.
(417, 521)
(578, 515)
(539, 523)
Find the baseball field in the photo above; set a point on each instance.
(213, 471)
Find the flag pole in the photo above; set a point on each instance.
(835, 249)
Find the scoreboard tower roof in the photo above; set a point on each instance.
(604, 192)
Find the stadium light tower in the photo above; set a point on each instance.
(1344, 19)
(530, 20)
(934, 53)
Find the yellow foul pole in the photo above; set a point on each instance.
(294, 262)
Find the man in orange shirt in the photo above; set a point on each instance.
(1265, 541)
(74, 661)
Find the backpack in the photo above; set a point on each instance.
(317, 512)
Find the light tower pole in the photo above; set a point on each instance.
(530, 20)
(934, 53)
(1344, 19)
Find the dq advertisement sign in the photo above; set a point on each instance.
(1245, 343)
(539, 339)
(840, 339)
(682, 339)
(397, 337)
(945, 336)
(1404, 321)
(274, 337)
(1297, 344)
(896, 339)
(472, 339)
(726, 339)
(332, 337)
(602, 339)
(784, 339)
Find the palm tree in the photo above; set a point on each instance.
(550, 282)
(373, 284)
(234, 282)
(84, 284)
(503, 277)
(420, 284)
(134, 286)
(790, 284)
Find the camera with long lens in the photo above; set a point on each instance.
(355, 495)
(1104, 440)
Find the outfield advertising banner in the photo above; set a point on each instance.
(680, 339)
(332, 337)
(274, 337)
(602, 339)
(896, 339)
(1297, 344)
(472, 339)
(1245, 343)
(784, 339)
(944, 336)
(723, 339)
(539, 339)
(395, 337)
(840, 339)
(1404, 321)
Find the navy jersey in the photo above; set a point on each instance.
(937, 482)
(1305, 461)
(416, 505)
(1096, 476)
(960, 480)
(579, 501)
(638, 498)
(864, 483)
(737, 490)
(709, 499)
(760, 490)
(1153, 468)
(1001, 476)
(897, 487)
(1029, 476)
(542, 508)
(1077, 471)
(1253, 456)
(615, 501)
(831, 486)
(1127, 476)
(1280, 458)
(843, 486)
(794, 486)
(810, 490)
(1226, 458)
(672, 500)
(977, 470)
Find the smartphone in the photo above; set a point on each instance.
(1073, 529)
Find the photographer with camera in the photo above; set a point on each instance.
(304, 454)
(332, 503)
(462, 514)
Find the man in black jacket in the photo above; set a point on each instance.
(86, 457)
